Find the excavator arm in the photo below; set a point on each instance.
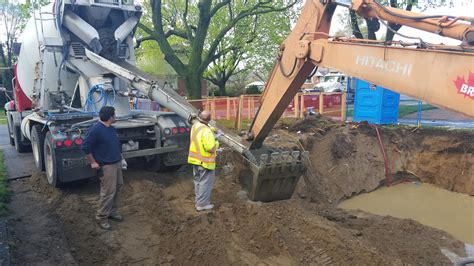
(438, 74)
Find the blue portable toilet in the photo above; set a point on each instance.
(375, 104)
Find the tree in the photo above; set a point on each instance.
(371, 26)
(13, 17)
(182, 31)
(256, 41)
(223, 68)
(272, 31)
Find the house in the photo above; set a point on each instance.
(311, 82)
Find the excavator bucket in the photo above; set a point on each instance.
(273, 176)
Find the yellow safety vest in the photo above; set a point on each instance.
(203, 146)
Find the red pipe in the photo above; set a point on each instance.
(382, 148)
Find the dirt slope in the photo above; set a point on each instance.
(347, 160)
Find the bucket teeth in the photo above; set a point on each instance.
(275, 157)
(295, 154)
(263, 159)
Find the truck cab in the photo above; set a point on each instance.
(332, 82)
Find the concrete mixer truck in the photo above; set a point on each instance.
(58, 92)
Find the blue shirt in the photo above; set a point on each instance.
(103, 143)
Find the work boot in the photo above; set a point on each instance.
(205, 208)
(116, 217)
(104, 224)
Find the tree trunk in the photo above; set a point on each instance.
(193, 85)
(5, 77)
(395, 27)
(373, 25)
(355, 25)
(222, 89)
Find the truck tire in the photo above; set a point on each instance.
(19, 146)
(50, 161)
(37, 145)
(157, 165)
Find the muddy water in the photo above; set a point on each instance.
(449, 211)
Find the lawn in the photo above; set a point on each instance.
(403, 110)
(230, 124)
(4, 192)
(3, 118)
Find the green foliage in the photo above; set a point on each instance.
(4, 191)
(3, 118)
(150, 59)
(233, 90)
(193, 36)
(272, 31)
(252, 89)
(411, 109)
(13, 16)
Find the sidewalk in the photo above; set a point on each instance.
(439, 118)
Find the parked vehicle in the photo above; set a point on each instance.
(332, 82)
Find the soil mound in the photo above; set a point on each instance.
(348, 159)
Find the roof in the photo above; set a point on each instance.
(256, 83)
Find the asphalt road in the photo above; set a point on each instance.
(17, 164)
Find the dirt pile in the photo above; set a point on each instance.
(162, 227)
(347, 159)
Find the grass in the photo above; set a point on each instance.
(3, 118)
(4, 191)
(230, 124)
(403, 110)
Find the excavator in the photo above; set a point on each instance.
(70, 69)
(438, 74)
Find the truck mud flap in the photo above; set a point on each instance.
(274, 176)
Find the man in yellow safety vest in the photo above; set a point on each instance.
(202, 155)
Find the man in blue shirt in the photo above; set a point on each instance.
(104, 151)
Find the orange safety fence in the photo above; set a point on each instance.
(246, 106)
(228, 107)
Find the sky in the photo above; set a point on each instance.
(461, 8)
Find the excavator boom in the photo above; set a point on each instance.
(437, 74)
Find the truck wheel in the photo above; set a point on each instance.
(37, 145)
(157, 165)
(19, 146)
(50, 161)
